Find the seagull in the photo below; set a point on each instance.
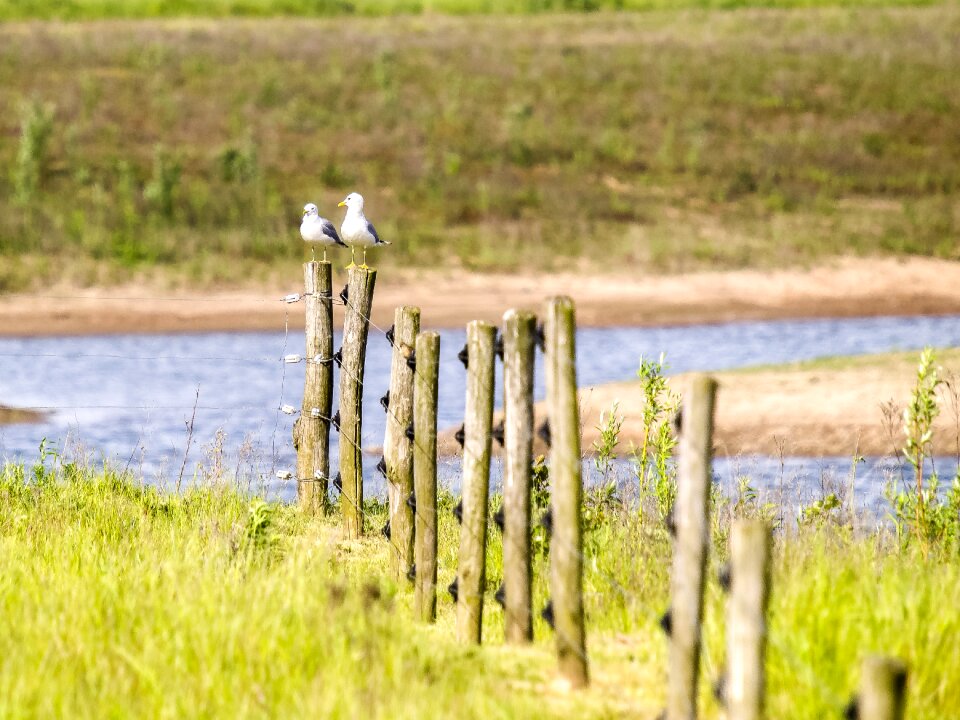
(316, 230)
(357, 231)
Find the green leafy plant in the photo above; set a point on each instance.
(921, 512)
(160, 192)
(36, 128)
(605, 448)
(653, 465)
(540, 499)
(918, 419)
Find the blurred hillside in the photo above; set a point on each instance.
(663, 141)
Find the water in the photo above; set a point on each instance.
(129, 398)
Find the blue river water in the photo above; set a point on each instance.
(128, 399)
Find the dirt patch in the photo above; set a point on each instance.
(12, 415)
(844, 288)
(793, 410)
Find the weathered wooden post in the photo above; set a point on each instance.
(882, 689)
(360, 284)
(566, 545)
(425, 475)
(690, 548)
(397, 446)
(471, 572)
(750, 542)
(518, 355)
(313, 441)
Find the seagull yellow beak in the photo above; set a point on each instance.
(304, 213)
(341, 203)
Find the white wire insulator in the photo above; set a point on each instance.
(317, 475)
(292, 359)
(292, 298)
(317, 360)
(284, 474)
(288, 409)
(315, 413)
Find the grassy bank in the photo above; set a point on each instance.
(100, 9)
(122, 601)
(663, 141)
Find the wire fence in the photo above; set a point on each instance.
(630, 596)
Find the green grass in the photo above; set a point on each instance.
(901, 361)
(118, 601)
(98, 9)
(183, 151)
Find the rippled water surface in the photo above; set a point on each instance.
(128, 398)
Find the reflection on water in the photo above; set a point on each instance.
(128, 398)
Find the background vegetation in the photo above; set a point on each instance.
(656, 141)
(96, 9)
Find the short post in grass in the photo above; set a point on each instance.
(882, 689)
(471, 570)
(360, 284)
(398, 440)
(750, 544)
(425, 475)
(313, 434)
(566, 545)
(518, 356)
(690, 547)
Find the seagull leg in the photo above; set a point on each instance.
(353, 258)
(313, 253)
(364, 266)
(324, 254)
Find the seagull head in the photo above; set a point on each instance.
(310, 209)
(352, 201)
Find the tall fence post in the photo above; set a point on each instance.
(882, 689)
(518, 356)
(397, 446)
(356, 322)
(566, 545)
(313, 441)
(750, 543)
(425, 475)
(690, 549)
(471, 572)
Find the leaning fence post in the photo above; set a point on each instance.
(425, 475)
(518, 355)
(313, 442)
(566, 545)
(690, 548)
(478, 419)
(750, 542)
(359, 300)
(398, 443)
(882, 689)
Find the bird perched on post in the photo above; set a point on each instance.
(316, 230)
(356, 230)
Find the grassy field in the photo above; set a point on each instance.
(662, 141)
(98, 9)
(119, 600)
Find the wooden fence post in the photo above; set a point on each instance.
(750, 542)
(425, 475)
(356, 322)
(690, 548)
(566, 545)
(471, 572)
(882, 689)
(397, 447)
(518, 356)
(313, 441)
